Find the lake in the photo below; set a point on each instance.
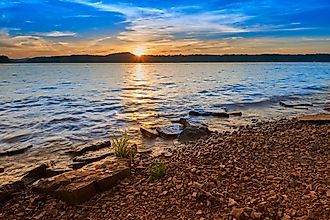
(56, 106)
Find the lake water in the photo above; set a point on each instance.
(56, 106)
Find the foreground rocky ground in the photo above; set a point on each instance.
(273, 170)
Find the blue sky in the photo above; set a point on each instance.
(60, 27)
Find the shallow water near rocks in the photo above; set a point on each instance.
(57, 106)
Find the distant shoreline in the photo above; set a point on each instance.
(195, 58)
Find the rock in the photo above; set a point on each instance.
(235, 113)
(327, 109)
(184, 122)
(237, 212)
(295, 104)
(6, 190)
(168, 154)
(256, 215)
(15, 150)
(144, 151)
(193, 133)
(195, 113)
(4, 196)
(215, 114)
(220, 114)
(286, 217)
(34, 174)
(50, 172)
(199, 212)
(80, 185)
(2, 169)
(232, 202)
(317, 119)
(93, 156)
(169, 131)
(80, 150)
(77, 165)
(149, 133)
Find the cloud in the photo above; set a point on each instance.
(153, 24)
(57, 34)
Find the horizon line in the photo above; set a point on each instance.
(170, 55)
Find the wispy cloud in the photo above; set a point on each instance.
(57, 34)
(153, 24)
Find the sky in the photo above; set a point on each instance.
(63, 27)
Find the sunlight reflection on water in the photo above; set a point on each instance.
(56, 106)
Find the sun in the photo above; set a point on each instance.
(139, 51)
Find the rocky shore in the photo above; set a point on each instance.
(272, 170)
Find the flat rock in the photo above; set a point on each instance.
(169, 131)
(80, 185)
(196, 113)
(149, 133)
(295, 104)
(318, 118)
(220, 114)
(184, 122)
(93, 156)
(235, 113)
(193, 133)
(15, 150)
(214, 114)
(80, 150)
(34, 174)
(50, 172)
(77, 165)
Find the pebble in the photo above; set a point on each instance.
(231, 202)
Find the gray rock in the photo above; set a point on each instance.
(195, 113)
(295, 104)
(235, 113)
(169, 131)
(184, 122)
(220, 114)
(193, 133)
(149, 133)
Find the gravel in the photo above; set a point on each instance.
(272, 170)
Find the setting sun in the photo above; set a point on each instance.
(139, 51)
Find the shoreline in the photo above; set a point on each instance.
(274, 170)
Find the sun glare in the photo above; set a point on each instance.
(139, 51)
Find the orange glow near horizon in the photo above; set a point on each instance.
(139, 51)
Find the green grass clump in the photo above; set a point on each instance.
(122, 148)
(157, 170)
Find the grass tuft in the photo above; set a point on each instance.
(157, 170)
(122, 148)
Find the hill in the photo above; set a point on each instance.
(131, 58)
